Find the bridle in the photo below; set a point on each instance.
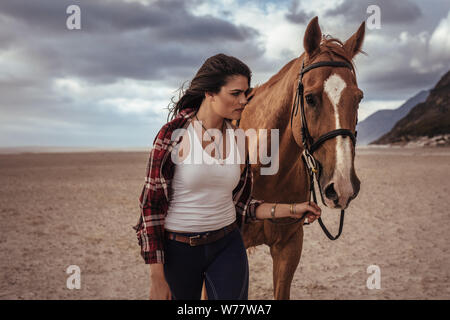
(313, 167)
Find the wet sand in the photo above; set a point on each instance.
(62, 209)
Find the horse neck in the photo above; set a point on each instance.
(262, 114)
(278, 89)
(268, 116)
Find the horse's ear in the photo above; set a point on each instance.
(354, 43)
(313, 36)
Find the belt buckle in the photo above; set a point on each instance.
(193, 238)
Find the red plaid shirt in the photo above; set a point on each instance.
(154, 198)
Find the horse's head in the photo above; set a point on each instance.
(330, 99)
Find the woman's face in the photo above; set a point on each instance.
(231, 99)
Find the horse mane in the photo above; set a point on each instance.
(334, 47)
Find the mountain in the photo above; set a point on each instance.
(380, 122)
(428, 123)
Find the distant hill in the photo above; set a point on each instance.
(427, 123)
(380, 122)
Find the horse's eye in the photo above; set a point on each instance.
(310, 100)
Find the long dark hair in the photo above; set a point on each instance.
(211, 76)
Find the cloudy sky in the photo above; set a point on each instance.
(109, 83)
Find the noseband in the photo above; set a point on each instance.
(309, 145)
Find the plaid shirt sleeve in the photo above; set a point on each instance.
(244, 203)
(153, 205)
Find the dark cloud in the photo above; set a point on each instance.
(119, 39)
(392, 12)
(166, 17)
(207, 29)
(163, 42)
(297, 16)
(97, 16)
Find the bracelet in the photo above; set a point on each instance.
(272, 210)
(292, 208)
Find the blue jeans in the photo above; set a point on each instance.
(223, 265)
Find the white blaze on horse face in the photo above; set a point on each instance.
(333, 87)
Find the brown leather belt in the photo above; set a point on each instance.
(201, 238)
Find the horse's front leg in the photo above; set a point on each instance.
(286, 252)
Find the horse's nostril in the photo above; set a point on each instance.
(330, 193)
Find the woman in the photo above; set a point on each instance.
(190, 212)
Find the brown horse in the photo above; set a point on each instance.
(331, 99)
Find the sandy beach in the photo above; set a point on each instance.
(62, 209)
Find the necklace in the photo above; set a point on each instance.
(218, 146)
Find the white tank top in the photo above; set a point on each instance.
(201, 198)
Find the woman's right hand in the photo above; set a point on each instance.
(159, 288)
(311, 209)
